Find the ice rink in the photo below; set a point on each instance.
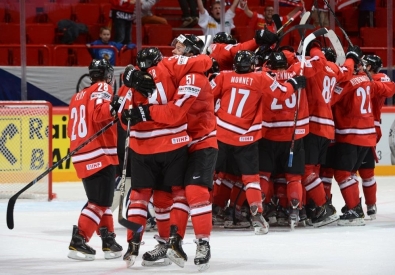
(39, 243)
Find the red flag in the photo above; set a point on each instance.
(343, 3)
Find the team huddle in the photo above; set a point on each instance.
(249, 134)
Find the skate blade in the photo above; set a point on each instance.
(130, 261)
(108, 255)
(259, 230)
(77, 255)
(175, 258)
(327, 221)
(293, 224)
(372, 217)
(203, 267)
(353, 222)
(272, 220)
(230, 225)
(165, 262)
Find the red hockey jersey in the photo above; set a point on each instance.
(152, 136)
(239, 117)
(352, 112)
(89, 112)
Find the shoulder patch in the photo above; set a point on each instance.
(338, 90)
(182, 60)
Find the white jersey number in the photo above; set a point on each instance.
(79, 123)
(289, 103)
(365, 99)
(328, 86)
(239, 109)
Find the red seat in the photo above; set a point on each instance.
(158, 34)
(40, 33)
(373, 37)
(35, 13)
(88, 14)
(57, 12)
(349, 16)
(71, 55)
(11, 33)
(11, 12)
(105, 10)
(2, 12)
(5, 56)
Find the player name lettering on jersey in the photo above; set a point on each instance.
(180, 140)
(189, 90)
(246, 139)
(80, 95)
(92, 166)
(284, 75)
(241, 79)
(329, 69)
(358, 80)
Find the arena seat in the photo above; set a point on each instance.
(88, 14)
(11, 33)
(11, 12)
(373, 37)
(158, 34)
(37, 55)
(40, 33)
(105, 10)
(71, 55)
(56, 12)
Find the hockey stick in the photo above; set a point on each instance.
(12, 201)
(290, 20)
(302, 33)
(135, 227)
(307, 41)
(277, 21)
(347, 38)
(337, 46)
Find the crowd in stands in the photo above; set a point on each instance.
(164, 19)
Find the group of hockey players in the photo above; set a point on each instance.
(247, 134)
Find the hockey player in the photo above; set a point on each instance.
(224, 46)
(279, 126)
(239, 119)
(366, 170)
(355, 135)
(164, 147)
(319, 91)
(89, 111)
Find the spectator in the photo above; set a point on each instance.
(260, 21)
(320, 14)
(366, 13)
(106, 53)
(147, 16)
(189, 13)
(122, 17)
(211, 23)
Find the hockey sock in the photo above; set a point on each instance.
(326, 175)
(180, 210)
(89, 219)
(107, 220)
(266, 184)
(201, 215)
(137, 209)
(348, 187)
(253, 191)
(221, 198)
(369, 185)
(313, 185)
(163, 202)
(294, 187)
(280, 190)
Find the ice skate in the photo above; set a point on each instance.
(218, 215)
(293, 218)
(371, 211)
(236, 218)
(259, 223)
(157, 256)
(353, 217)
(270, 210)
(175, 252)
(324, 215)
(79, 250)
(203, 254)
(133, 251)
(110, 247)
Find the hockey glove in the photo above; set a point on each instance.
(298, 82)
(355, 53)
(115, 104)
(265, 37)
(138, 80)
(136, 115)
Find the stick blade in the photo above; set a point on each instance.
(277, 21)
(10, 212)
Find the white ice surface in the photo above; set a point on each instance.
(39, 243)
